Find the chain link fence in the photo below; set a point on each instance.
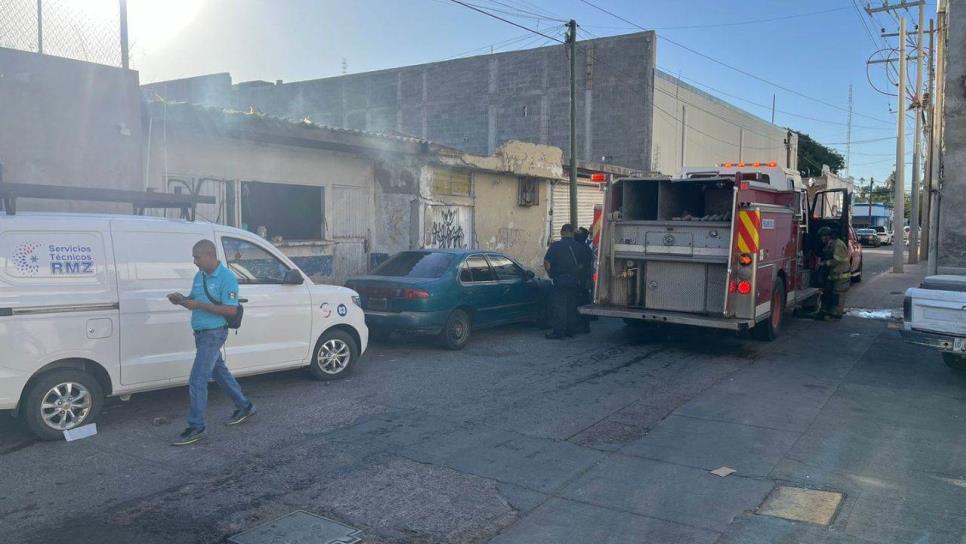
(87, 30)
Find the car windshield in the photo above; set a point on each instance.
(415, 264)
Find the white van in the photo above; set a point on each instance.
(83, 313)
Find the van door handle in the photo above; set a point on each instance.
(243, 300)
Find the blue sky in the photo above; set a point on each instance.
(817, 49)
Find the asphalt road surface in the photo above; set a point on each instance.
(426, 445)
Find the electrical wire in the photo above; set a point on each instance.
(749, 22)
(488, 14)
(526, 12)
(735, 68)
(767, 107)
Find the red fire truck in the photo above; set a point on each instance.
(731, 247)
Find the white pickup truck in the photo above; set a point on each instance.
(934, 315)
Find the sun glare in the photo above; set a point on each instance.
(151, 23)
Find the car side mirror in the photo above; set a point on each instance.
(293, 277)
(530, 275)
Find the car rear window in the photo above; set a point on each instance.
(415, 264)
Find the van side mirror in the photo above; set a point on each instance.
(530, 275)
(293, 277)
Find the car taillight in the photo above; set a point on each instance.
(744, 287)
(415, 294)
(744, 259)
(733, 287)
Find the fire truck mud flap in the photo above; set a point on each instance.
(678, 318)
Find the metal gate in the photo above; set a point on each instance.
(588, 196)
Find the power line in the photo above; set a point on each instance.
(749, 22)
(524, 12)
(767, 107)
(501, 43)
(488, 14)
(729, 66)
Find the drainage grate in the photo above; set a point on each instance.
(800, 504)
(300, 528)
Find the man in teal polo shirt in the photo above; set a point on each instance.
(208, 312)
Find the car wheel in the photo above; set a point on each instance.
(334, 356)
(456, 331)
(770, 328)
(955, 361)
(857, 277)
(61, 400)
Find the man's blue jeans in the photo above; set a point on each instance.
(209, 363)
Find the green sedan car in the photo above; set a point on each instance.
(449, 293)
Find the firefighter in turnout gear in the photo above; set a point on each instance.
(838, 277)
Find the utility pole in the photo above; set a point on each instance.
(916, 145)
(572, 48)
(898, 204)
(773, 107)
(871, 184)
(122, 8)
(927, 131)
(899, 188)
(848, 137)
(40, 26)
(937, 131)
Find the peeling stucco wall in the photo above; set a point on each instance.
(502, 225)
(521, 158)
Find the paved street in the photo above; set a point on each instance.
(607, 438)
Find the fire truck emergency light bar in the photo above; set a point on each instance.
(771, 164)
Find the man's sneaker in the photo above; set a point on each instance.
(189, 436)
(241, 415)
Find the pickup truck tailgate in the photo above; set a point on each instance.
(937, 311)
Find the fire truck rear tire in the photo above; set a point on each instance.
(770, 328)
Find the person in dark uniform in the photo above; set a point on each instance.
(561, 265)
(585, 260)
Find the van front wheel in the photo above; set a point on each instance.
(335, 355)
(61, 400)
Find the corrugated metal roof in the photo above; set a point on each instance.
(218, 121)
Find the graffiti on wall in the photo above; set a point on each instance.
(509, 237)
(449, 229)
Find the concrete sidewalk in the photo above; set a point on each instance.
(842, 407)
(886, 289)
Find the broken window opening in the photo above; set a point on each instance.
(292, 212)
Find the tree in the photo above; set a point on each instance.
(812, 155)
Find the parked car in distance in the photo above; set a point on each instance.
(868, 237)
(84, 313)
(885, 237)
(855, 256)
(933, 316)
(449, 292)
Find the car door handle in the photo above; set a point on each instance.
(243, 300)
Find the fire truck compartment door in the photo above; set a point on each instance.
(669, 243)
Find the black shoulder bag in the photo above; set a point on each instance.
(235, 321)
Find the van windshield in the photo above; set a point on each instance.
(415, 264)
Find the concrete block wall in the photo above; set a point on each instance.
(951, 257)
(67, 122)
(479, 103)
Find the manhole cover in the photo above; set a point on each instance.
(300, 528)
(800, 504)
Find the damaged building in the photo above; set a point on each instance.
(339, 201)
(629, 113)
